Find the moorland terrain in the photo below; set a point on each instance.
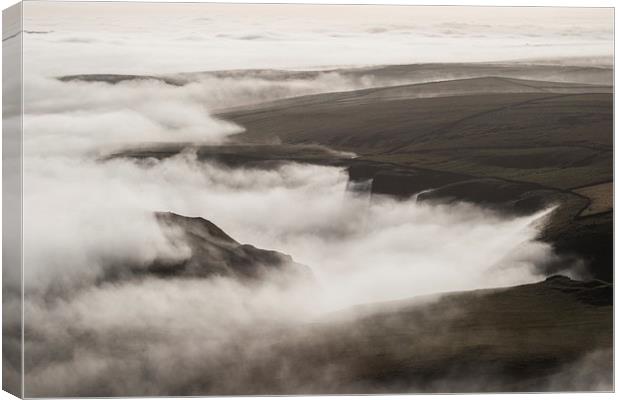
(515, 138)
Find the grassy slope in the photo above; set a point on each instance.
(534, 337)
(558, 140)
(525, 333)
(536, 147)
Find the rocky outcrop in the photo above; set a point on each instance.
(215, 253)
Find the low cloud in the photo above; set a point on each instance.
(360, 250)
(88, 336)
(301, 36)
(78, 117)
(339, 234)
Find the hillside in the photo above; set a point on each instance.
(534, 337)
(214, 253)
(435, 88)
(522, 147)
(389, 75)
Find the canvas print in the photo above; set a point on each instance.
(280, 199)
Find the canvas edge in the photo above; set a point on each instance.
(12, 139)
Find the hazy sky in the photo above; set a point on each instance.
(70, 38)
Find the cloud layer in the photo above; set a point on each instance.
(86, 214)
(168, 38)
(85, 336)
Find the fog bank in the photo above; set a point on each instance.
(86, 213)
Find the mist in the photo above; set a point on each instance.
(87, 212)
(338, 233)
(360, 250)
